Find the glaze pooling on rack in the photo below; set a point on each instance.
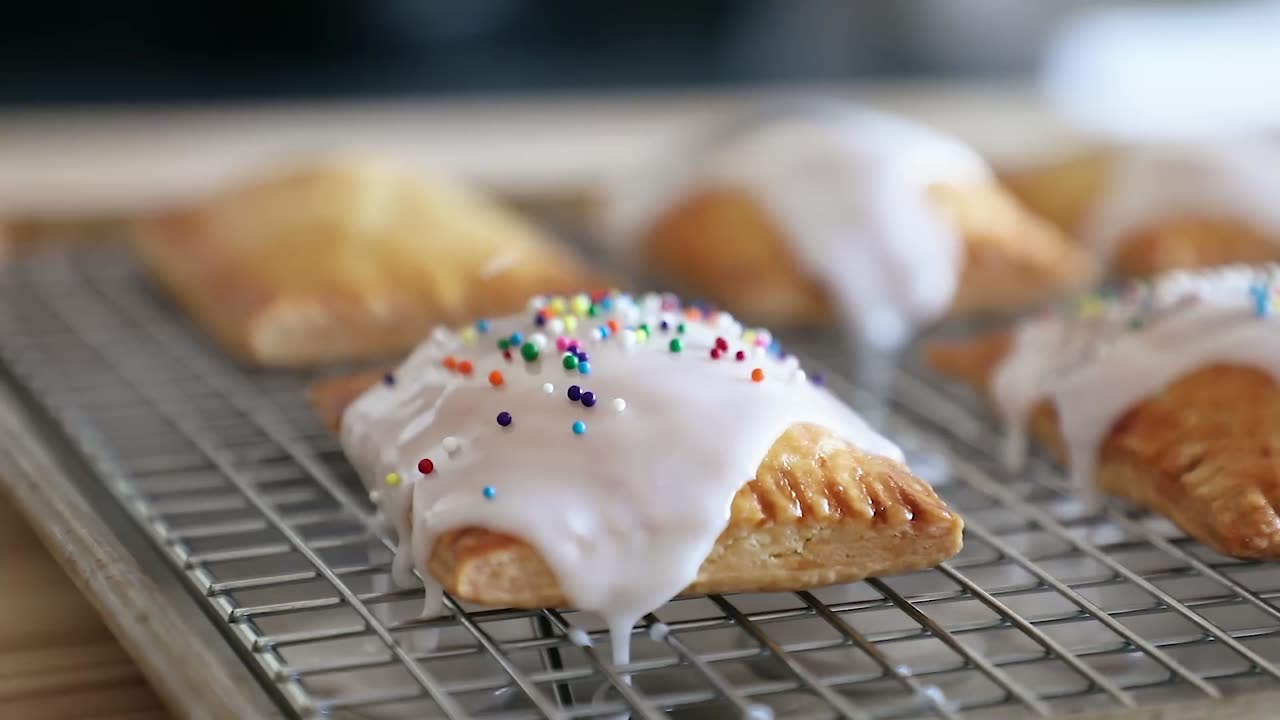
(624, 512)
(849, 190)
(1232, 179)
(1105, 358)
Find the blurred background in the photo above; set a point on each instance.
(104, 104)
(128, 52)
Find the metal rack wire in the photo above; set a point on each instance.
(1052, 608)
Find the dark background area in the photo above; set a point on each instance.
(131, 51)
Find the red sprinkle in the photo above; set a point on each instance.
(465, 367)
(425, 466)
(721, 344)
(716, 353)
(506, 354)
(450, 362)
(740, 356)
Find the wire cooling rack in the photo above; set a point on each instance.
(1053, 608)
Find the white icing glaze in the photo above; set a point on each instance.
(1106, 359)
(625, 513)
(849, 190)
(1236, 179)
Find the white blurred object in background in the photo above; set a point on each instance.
(1168, 72)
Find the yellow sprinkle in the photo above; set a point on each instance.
(641, 334)
(581, 303)
(558, 304)
(393, 478)
(570, 323)
(1091, 306)
(749, 336)
(469, 335)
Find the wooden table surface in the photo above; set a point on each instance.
(57, 658)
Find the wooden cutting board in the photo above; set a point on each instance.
(57, 658)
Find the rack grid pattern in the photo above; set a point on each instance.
(1053, 608)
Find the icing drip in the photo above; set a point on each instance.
(1234, 180)
(1100, 361)
(850, 192)
(625, 507)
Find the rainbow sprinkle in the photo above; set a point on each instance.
(576, 328)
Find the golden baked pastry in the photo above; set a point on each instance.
(722, 243)
(1179, 234)
(345, 259)
(819, 510)
(1199, 449)
(850, 216)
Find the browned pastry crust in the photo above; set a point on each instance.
(347, 259)
(1064, 193)
(1204, 452)
(818, 512)
(723, 243)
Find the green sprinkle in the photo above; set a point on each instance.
(503, 344)
(676, 345)
(593, 310)
(570, 361)
(529, 352)
(680, 328)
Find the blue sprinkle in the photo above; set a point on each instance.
(482, 326)
(584, 367)
(1261, 299)
(606, 303)
(579, 427)
(516, 338)
(490, 492)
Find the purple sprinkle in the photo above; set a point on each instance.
(504, 418)
(572, 346)
(589, 398)
(816, 378)
(575, 393)
(665, 325)
(540, 320)
(583, 356)
(388, 379)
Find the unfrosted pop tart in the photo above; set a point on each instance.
(1165, 395)
(610, 453)
(347, 257)
(852, 216)
(1150, 209)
